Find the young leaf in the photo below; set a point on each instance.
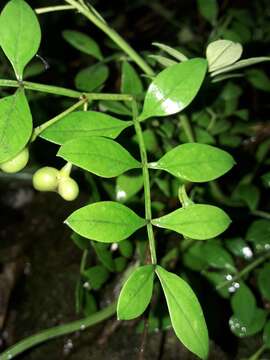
(15, 125)
(83, 43)
(105, 221)
(130, 81)
(243, 304)
(222, 53)
(136, 293)
(255, 325)
(171, 51)
(241, 64)
(259, 234)
(92, 77)
(198, 222)
(84, 124)
(98, 155)
(20, 34)
(185, 313)
(258, 79)
(195, 162)
(174, 88)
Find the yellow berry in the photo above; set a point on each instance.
(17, 163)
(68, 189)
(46, 179)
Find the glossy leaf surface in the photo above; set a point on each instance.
(222, 53)
(195, 162)
(83, 43)
(185, 313)
(105, 221)
(136, 293)
(241, 64)
(20, 34)
(15, 125)
(174, 88)
(84, 124)
(101, 156)
(199, 222)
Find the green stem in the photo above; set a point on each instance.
(261, 213)
(245, 271)
(146, 183)
(83, 261)
(258, 353)
(56, 90)
(60, 330)
(38, 130)
(187, 128)
(113, 35)
(47, 9)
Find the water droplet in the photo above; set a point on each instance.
(121, 195)
(114, 247)
(86, 285)
(82, 327)
(228, 277)
(68, 346)
(247, 252)
(236, 285)
(231, 289)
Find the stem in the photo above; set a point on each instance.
(258, 353)
(60, 330)
(112, 34)
(187, 128)
(261, 213)
(38, 130)
(57, 90)
(245, 271)
(146, 183)
(47, 9)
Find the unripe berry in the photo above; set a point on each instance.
(46, 179)
(68, 189)
(17, 163)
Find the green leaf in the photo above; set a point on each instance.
(104, 255)
(185, 313)
(241, 64)
(174, 88)
(208, 9)
(84, 124)
(249, 194)
(258, 79)
(96, 276)
(130, 81)
(128, 186)
(198, 222)
(266, 334)
(98, 155)
(136, 293)
(222, 53)
(193, 257)
(83, 43)
(92, 77)
(114, 107)
(217, 257)
(255, 325)
(126, 248)
(80, 241)
(259, 234)
(105, 221)
(120, 264)
(243, 304)
(20, 34)
(15, 125)
(195, 162)
(264, 281)
(162, 60)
